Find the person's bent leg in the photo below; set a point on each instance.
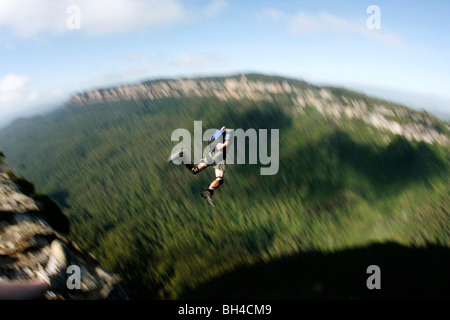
(217, 182)
(197, 168)
(190, 166)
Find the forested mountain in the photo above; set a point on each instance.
(354, 171)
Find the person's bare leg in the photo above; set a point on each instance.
(216, 182)
(207, 194)
(196, 168)
(23, 290)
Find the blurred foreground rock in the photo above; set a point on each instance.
(25, 238)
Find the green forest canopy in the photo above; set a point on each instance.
(340, 185)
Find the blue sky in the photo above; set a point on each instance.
(42, 61)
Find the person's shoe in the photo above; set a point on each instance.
(55, 270)
(207, 196)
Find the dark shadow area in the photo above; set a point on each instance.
(333, 164)
(406, 273)
(7, 217)
(401, 161)
(53, 213)
(258, 116)
(60, 197)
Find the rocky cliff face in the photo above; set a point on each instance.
(396, 119)
(25, 238)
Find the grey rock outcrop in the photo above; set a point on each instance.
(395, 119)
(25, 238)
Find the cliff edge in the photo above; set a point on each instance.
(25, 238)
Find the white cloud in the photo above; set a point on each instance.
(28, 18)
(105, 17)
(12, 88)
(18, 98)
(306, 23)
(214, 8)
